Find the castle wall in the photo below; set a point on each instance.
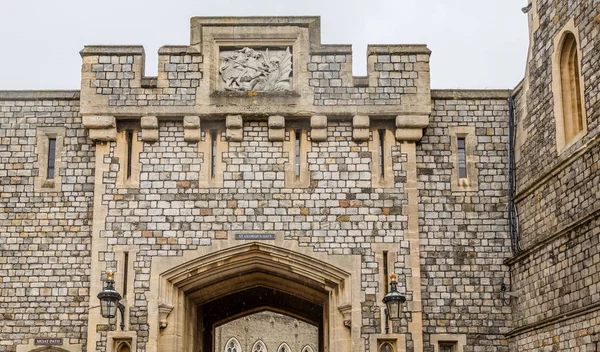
(45, 234)
(464, 234)
(557, 271)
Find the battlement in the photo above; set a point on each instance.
(231, 59)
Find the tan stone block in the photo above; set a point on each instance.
(361, 121)
(150, 135)
(276, 134)
(191, 134)
(234, 122)
(97, 122)
(103, 135)
(409, 134)
(234, 135)
(360, 134)
(318, 135)
(276, 122)
(150, 122)
(191, 122)
(412, 121)
(318, 121)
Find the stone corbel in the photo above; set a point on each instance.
(191, 128)
(101, 128)
(318, 128)
(360, 128)
(163, 313)
(346, 311)
(149, 129)
(234, 125)
(276, 128)
(409, 128)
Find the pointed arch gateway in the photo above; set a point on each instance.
(206, 289)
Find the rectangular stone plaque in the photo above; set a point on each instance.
(255, 236)
(48, 341)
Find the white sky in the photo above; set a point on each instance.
(475, 43)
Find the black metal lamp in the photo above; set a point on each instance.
(394, 302)
(109, 300)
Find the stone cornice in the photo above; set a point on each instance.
(91, 50)
(387, 49)
(470, 94)
(39, 95)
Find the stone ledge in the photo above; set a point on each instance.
(93, 50)
(387, 49)
(39, 95)
(177, 50)
(470, 94)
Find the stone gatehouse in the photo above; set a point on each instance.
(256, 196)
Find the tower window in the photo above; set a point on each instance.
(570, 88)
(447, 347)
(213, 153)
(129, 152)
(462, 158)
(298, 134)
(51, 158)
(381, 152)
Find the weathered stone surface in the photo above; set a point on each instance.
(94, 122)
(276, 135)
(234, 122)
(235, 135)
(150, 135)
(361, 121)
(411, 121)
(149, 122)
(360, 134)
(318, 121)
(276, 122)
(191, 135)
(190, 122)
(318, 135)
(409, 134)
(103, 135)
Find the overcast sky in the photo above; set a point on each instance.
(475, 43)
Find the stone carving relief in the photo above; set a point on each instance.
(255, 70)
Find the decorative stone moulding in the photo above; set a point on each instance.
(318, 128)
(360, 131)
(149, 129)
(234, 125)
(409, 128)
(191, 128)
(276, 128)
(101, 128)
(164, 310)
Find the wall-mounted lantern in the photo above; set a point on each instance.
(394, 302)
(109, 300)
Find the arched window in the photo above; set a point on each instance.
(570, 88)
(284, 348)
(259, 346)
(386, 347)
(233, 345)
(307, 348)
(123, 346)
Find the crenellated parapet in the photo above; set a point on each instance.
(258, 67)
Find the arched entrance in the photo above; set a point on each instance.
(196, 296)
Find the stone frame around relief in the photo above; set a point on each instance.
(218, 45)
(261, 69)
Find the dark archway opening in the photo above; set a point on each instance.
(242, 303)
